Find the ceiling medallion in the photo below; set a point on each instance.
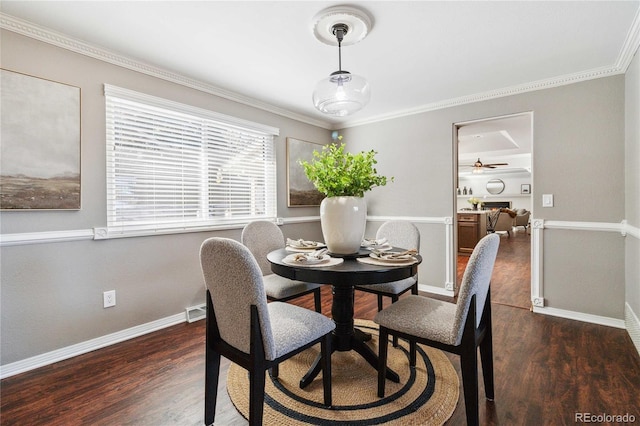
(342, 93)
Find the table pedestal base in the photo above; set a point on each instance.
(346, 337)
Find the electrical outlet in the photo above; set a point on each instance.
(109, 298)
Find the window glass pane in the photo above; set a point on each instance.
(167, 168)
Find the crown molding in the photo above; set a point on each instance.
(64, 41)
(630, 46)
(627, 52)
(493, 94)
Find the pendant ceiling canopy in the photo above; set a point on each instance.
(342, 93)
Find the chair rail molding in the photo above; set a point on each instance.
(44, 237)
(537, 239)
(538, 226)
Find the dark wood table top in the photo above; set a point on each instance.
(348, 273)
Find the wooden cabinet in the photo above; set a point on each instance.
(471, 228)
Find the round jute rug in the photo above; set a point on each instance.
(426, 395)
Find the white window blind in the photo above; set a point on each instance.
(173, 166)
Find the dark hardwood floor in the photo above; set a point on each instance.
(511, 283)
(546, 370)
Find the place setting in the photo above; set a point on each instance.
(303, 246)
(390, 258)
(309, 254)
(380, 244)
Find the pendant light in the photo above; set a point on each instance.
(342, 93)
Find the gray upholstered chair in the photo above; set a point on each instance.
(399, 234)
(244, 328)
(458, 328)
(262, 237)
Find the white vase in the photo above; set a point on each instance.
(343, 220)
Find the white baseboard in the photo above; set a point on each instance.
(580, 316)
(61, 354)
(435, 290)
(633, 325)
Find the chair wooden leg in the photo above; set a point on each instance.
(316, 300)
(325, 348)
(486, 349)
(394, 299)
(383, 341)
(486, 356)
(256, 396)
(379, 302)
(469, 367)
(275, 371)
(413, 349)
(212, 374)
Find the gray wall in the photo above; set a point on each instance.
(52, 293)
(632, 185)
(578, 155)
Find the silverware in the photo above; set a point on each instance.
(301, 243)
(395, 255)
(318, 254)
(315, 255)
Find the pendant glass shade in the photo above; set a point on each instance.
(342, 93)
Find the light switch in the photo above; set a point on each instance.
(547, 200)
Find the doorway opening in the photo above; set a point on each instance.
(493, 183)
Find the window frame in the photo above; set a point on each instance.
(265, 140)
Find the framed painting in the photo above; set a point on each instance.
(40, 152)
(300, 191)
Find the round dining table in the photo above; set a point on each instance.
(343, 277)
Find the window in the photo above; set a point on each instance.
(172, 166)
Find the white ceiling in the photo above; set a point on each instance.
(419, 55)
(497, 140)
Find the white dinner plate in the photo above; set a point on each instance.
(305, 260)
(386, 257)
(383, 247)
(304, 245)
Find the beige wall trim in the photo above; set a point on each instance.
(537, 239)
(580, 316)
(45, 237)
(414, 219)
(90, 345)
(537, 247)
(631, 230)
(450, 249)
(435, 290)
(98, 233)
(587, 226)
(298, 219)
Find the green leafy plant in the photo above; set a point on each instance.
(474, 200)
(336, 173)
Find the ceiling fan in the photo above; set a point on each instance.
(478, 165)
